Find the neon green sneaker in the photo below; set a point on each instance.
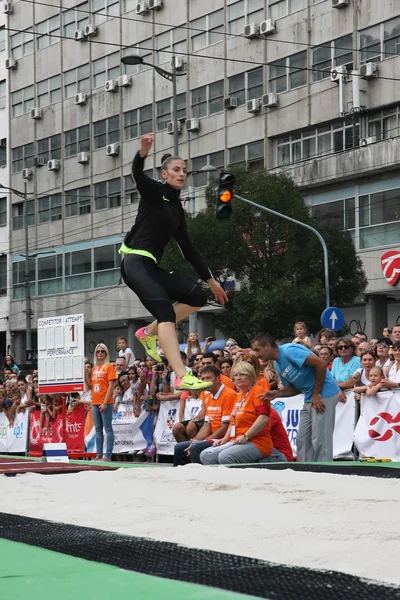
(190, 382)
(149, 343)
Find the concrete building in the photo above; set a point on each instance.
(267, 83)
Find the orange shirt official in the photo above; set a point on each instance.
(101, 377)
(218, 407)
(264, 383)
(246, 415)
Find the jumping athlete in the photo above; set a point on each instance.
(169, 297)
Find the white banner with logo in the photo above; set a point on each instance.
(131, 433)
(167, 417)
(14, 438)
(378, 430)
(289, 411)
(344, 427)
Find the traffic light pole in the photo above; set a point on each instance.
(319, 236)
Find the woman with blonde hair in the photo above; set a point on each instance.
(193, 345)
(102, 383)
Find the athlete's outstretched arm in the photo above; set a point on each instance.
(146, 186)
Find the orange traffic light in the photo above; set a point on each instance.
(225, 195)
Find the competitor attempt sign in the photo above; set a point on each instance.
(61, 349)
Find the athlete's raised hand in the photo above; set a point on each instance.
(218, 291)
(146, 143)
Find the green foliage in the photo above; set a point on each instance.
(279, 265)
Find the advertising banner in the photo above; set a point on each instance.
(344, 427)
(73, 435)
(14, 438)
(378, 429)
(167, 417)
(289, 411)
(131, 433)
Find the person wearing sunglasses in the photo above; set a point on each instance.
(102, 385)
(384, 358)
(345, 365)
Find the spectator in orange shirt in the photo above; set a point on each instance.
(102, 384)
(248, 438)
(218, 402)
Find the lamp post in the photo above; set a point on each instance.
(28, 348)
(136, 59)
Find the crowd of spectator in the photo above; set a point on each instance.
(233, 420)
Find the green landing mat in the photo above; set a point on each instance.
(31, 573)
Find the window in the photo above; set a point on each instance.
(75, 18)
(341, 212)
(107, 194)
(23, 101)
(321, 62)
(384, 124)
(164, 111)
(21, 44)
(50, 148)
(49, 208)
(18, 214)
(106, 132)
(246, 86)
(77, 140)
(370, 44)
(2, 38)
(19, 278)
(138, 122)
(145, 50)
(391, 38)
(216, 159)
(22, 157)
(78, 270)
(280, 8)
(50, 274)
(3, 152)
(379, 216)
(129, 5)
(132, 195)
(250, 154)
(3, 93)
(3, 212)
(106, 68)
(244, 12)
(49, 91)
(343, 51)
(77, 202)
(104, 9)
(3, 275)
(207, 30)
(288, 73)
(76, 81)
(208, 99)
(44, 31)
(170, 42)
(106, 263)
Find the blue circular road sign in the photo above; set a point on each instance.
(332, 318)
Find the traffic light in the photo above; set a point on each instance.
(225, 195)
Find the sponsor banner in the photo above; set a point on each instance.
(289, 410)
(74, 429)
(168, 415)
(344, 427)
(55, 434)
(378, 429)
(130, 433)
(192, 407)
(14, 438)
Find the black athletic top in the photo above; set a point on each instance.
(160, 217)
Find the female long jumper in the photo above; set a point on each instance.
(169, 297)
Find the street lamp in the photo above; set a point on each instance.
(28, 344)
(136, 59)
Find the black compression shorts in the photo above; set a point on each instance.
(158, 289)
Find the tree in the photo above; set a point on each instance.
(277, 266)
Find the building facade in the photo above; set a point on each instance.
(265, 82)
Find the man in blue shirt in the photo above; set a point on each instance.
(301, 371)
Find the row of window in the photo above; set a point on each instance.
(68, 271)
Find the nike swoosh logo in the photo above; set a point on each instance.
(166, 199)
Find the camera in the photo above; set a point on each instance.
(159, 368)
(211, 338)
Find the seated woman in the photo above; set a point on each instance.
(248, 438)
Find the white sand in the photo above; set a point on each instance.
(339, 522)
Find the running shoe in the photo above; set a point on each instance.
(190, 382)
(149, 343)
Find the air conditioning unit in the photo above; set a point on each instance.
(36, 113)
(111, 85)
(112, 150)
(53, 165)
(368, 70)
(170, 127)
(142, 8)
(27, 174)
(338, 72)
(124, 81)
(253, 106)
(180, 63)
(91, 30)
(39, 161)
(156, 4)
(251, 30)
(83, 158)
(267, 27)
(192, 124)
(79, 35)
(80, 98)
(270, 100)
(367, 141)
(230, 102)
(339, 3)
(11, 63)
(8, 8)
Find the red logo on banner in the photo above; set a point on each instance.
(384, 426)
(391, 266)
